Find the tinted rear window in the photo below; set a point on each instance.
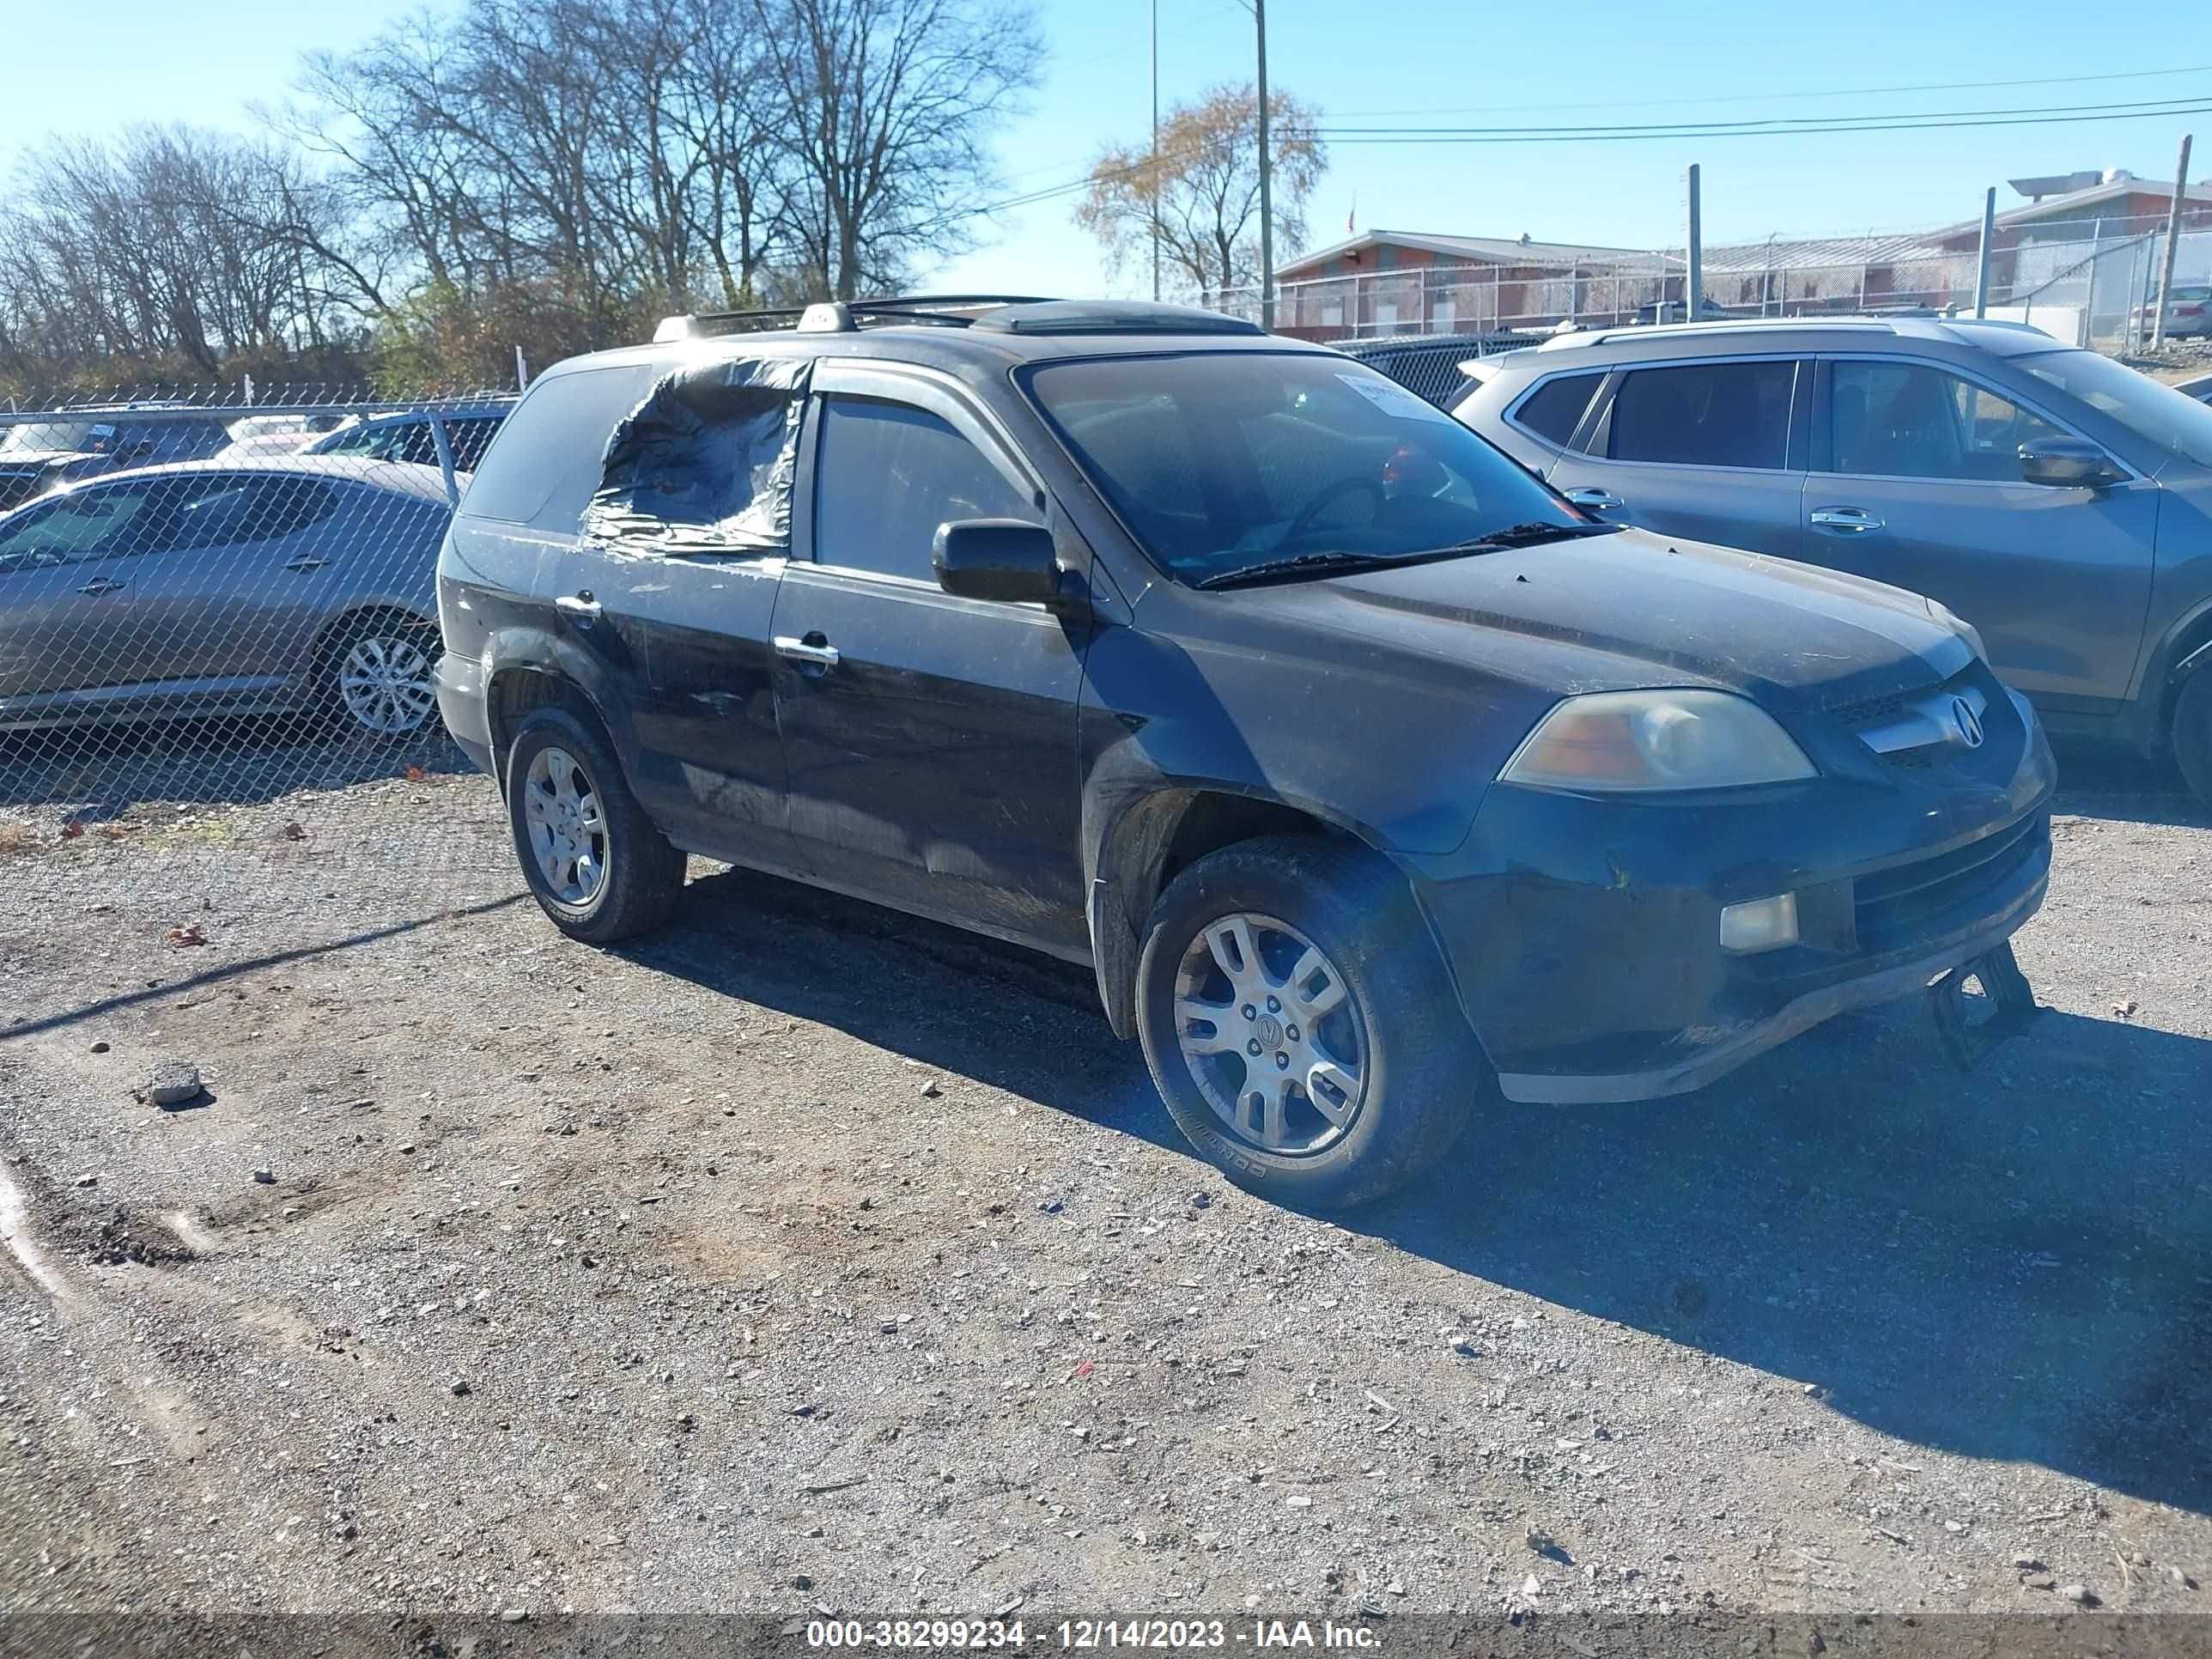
(1554, 409)
(545, 464)
(1723, 414)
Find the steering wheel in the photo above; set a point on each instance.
(1310, 512)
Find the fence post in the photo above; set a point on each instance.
(1693, 286)
(521, 371)
(1981, 261)
(2173, 243)
(248, 379)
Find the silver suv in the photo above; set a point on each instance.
(2060, 503)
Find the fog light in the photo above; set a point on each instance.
(1767, 924)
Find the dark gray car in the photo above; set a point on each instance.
(2059, 502)
(47, 451)
(260, 585)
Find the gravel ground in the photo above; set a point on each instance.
(812, 1257)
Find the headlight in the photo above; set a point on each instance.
(1643, 741)
(1964, 629)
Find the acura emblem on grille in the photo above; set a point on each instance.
(1967, 722)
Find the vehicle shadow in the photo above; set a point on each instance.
(2007, 1265)
(97, 775)
(2101, 783)
(2011, 1264)
(1013, 1018)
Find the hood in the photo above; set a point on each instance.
(1635, 609)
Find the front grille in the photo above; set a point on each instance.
(1891, 906)
(1876, 711)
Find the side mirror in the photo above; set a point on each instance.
(1002, 559)
(2068, 463)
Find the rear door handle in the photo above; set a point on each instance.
(103, 585)
(1849, 521)
(583, 606)
(305, 561)
(1598, 500)
(821, 655)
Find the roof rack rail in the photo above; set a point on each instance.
(839, 316)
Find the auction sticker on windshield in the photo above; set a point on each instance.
(1393, 399)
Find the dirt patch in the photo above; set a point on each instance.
(811, 1258)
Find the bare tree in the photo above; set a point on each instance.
(167, 244)
(888, 106)
(1201, 188)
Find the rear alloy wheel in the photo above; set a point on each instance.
(384, 677)
(2192, 731)
(1299, 1024)
(596, 863)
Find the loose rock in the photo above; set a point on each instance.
(2080, 1595)
(173, 1082)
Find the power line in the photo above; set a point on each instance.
(1542, 137)
(1786, 124)
(1794, 95)
(1772, 127)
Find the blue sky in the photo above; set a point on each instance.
(1380, 62)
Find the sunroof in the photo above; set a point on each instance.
(1111, 317)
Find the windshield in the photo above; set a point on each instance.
(2157, 414)
(1221, 461)
(59, 436)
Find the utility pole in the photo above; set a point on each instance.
(2173, 243)
(1982, 262)
(1267, 183)
(1156, 151)
(1693, 286)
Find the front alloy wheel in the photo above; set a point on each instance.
(1271, 1034)
(1299, 1024)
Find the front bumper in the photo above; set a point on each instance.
(1583, 932)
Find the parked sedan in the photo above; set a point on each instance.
(2058, 501)
(407, 436)
(2188, 312)
(226, 587)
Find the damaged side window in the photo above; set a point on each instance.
(705, 464)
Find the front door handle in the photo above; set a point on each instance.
(814, 649)
(103, 585)
(1598, 500)
(583, 606)
(1846, 520)
(305, 561)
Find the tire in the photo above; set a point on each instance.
(2192, 731)
(1417, 1065)
(377, 675)
(606, 873)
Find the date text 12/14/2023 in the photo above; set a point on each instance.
(1075, 1635)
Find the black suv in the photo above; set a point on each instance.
(1368, 773)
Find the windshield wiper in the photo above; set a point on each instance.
(1338, 562)
(1314, 563)
(1531, 533)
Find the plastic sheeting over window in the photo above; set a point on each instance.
(707, 461)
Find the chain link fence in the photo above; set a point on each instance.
(218, 629)
(2086, 282)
